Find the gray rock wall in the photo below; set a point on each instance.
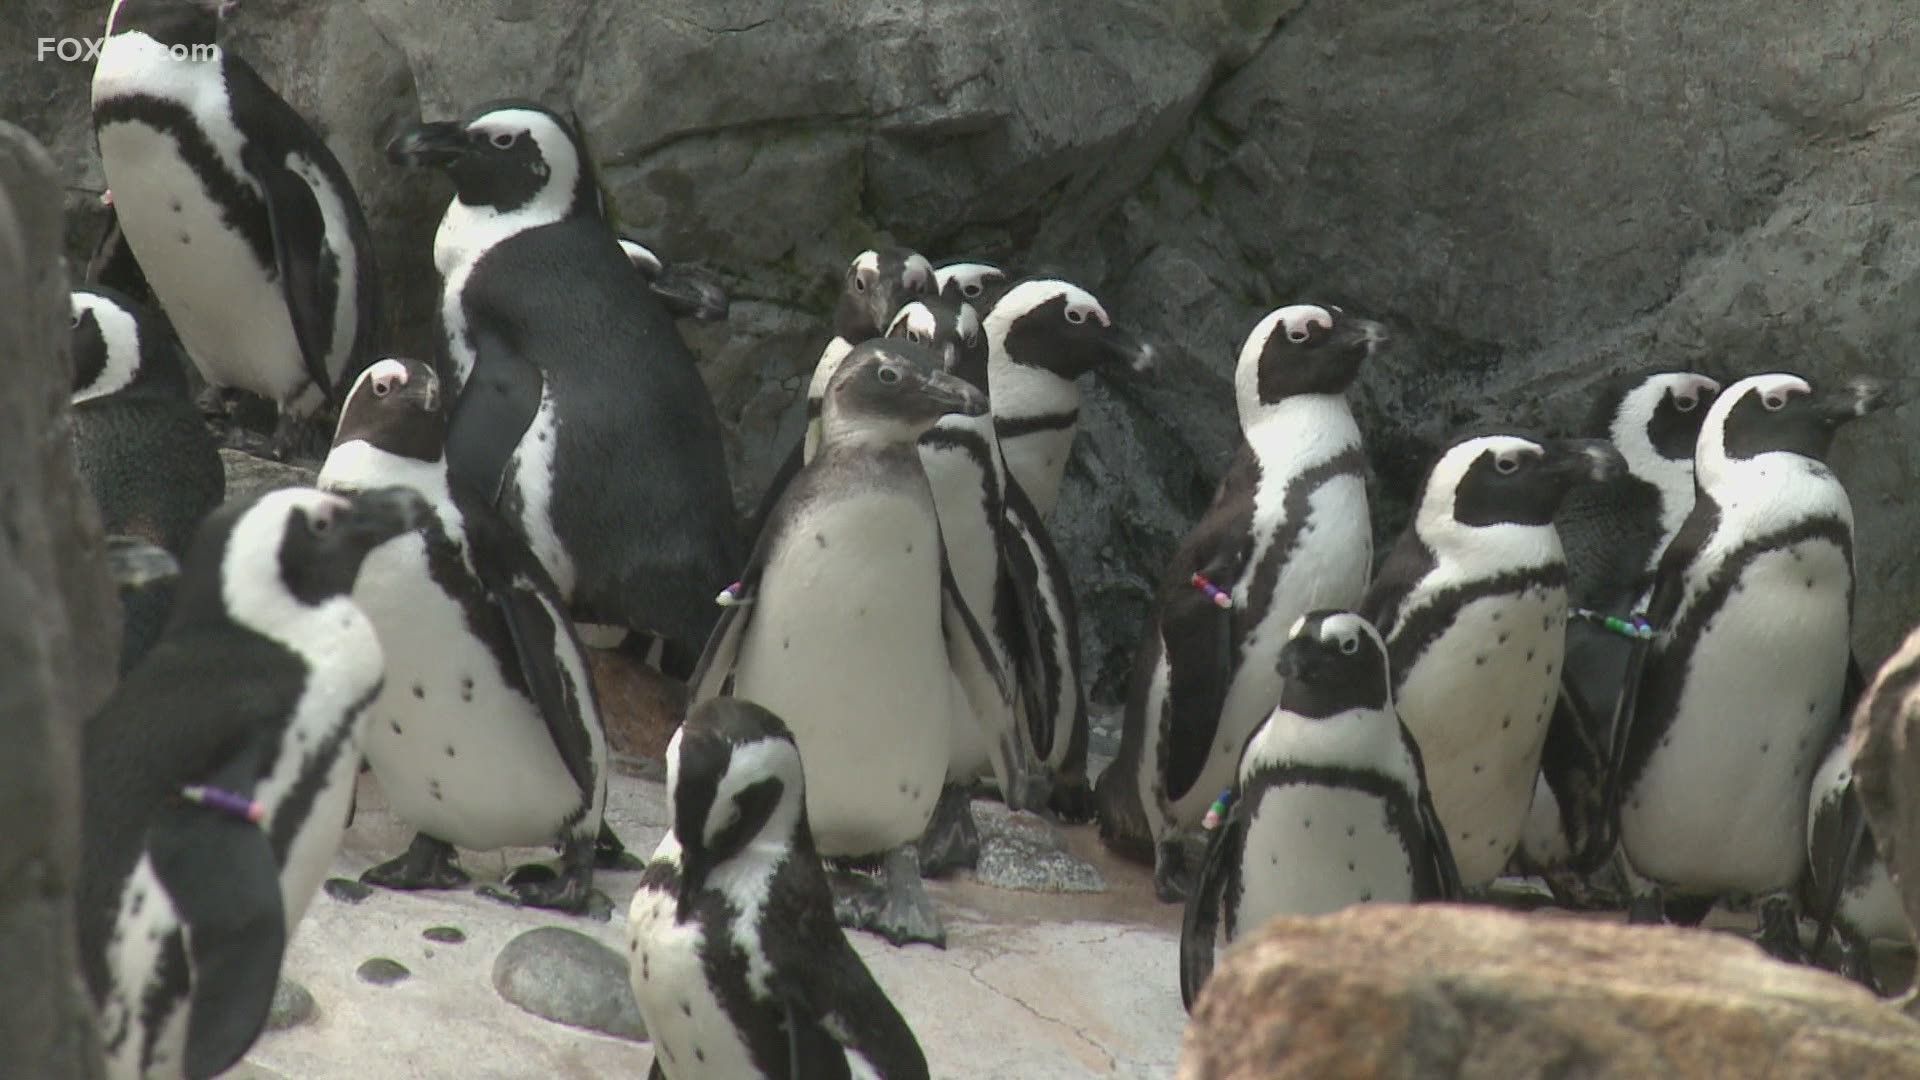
(59, 635)
(1532, 195)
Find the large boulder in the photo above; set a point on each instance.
(59, 638)
(1440, 991)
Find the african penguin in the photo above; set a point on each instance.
(684, 292)
(973, 282)
(215, 781)
(577, 409)
(735, 959)
(1741, 693)
(845, 624)
(1330, 808)
(1042, 335)
(243, 222)
(488, 733)
(951, 328)
(1288, 532)
(140, 444)
(1472, 602)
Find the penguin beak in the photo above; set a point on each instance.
(1855, 398)
(688, 294)
(379, 515)
(1582, 460)
(136, 564)
(432, 145)
(1364, 334)
(1138, 356)
(954, 395)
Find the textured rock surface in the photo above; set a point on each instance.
(59, 637)
(248, 475)
(1022, 851)
(569, 978)
(1528, 201)
(1453, 991)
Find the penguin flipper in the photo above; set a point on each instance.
(535, 628)
(1015, 526)
(1199, 655)
(1202, 916)
(113, 265)
(1574, 762)
(224, 882)
(1437, 875)
(1016, 766)
(299, 251)
(497, 404)
(713, 672)
(833, 1005)
(777, 485)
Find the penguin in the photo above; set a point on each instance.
(1330, 778)
(847, 626)
(951, 328)
(1288, 531)
(1743, 689)
(577, 409)
(1613, 534)
(736, 961)
(488, 733)
(1472, 602)
(140, 444)
(215, 780)
(685, 293)
(972, 282)
(244, 224)
(1042, 335)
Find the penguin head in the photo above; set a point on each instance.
(684, 293)
(1056, 326)
(1303, 349)
(1780, 412)
(510, 157)
(1654, 416)
(734, 783)
(952, 330)
(170, 22)
(1333, 662)
(968, 281)
(1486, 481)
(118, 346)
(877, 284)
(395, 407)
(888, 390)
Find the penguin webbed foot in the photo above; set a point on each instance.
(1780, 930)
(952, 839)
(568, 889)
(1856, 963)
(610, 854)
(426, 864)
(1173, 869)
(1072, 799)
(894, 905)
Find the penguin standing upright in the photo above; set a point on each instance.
(735, 877)
(215, 781)
(1742, 693)
(1331, 805)
(242, 220)
(140, 444)
(487, 734)
(1042, 335)
(578, 410)
(1472, 602)
(1288, 532)
(845, 626)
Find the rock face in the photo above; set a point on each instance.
(1437, 991)
(1528, 202)
(59, 639)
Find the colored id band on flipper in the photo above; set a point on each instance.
(226, 802)
(731, 595)
(1215, 593)
(1636, 626)
(1217, 811)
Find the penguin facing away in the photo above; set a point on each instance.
(1288, 532)
(216, 778)
(1472, 602)
(488, 733)
(244, 224)
(847, 626)
(140, 444)
(685, 293)
(736, 961)
(1330, 807)
(577, 408)
(1752, 609)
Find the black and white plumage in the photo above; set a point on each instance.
(1742, 693)
(1288, 532)
(685, 293)
(735, 959)
(488, 733)
(1042, 335)
(976, 283)
(1330, 806)
(578, 409)
(140, 444)
(845, 624)
(951, 328)
(258, 690)
(1472, 602)
(243, 222)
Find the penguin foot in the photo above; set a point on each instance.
(1172, 871)
(1780, 930)
(568, 888)
(251, 443)
(610, 854)
(426, 864)
(1644, 910)
(301, 439)
(1856, 963)
(895, 906)
(952, 839)
(1072, 799)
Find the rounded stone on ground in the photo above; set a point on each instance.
(567, 977)
(381, 971)
(292, 1005)
(347, 890)
(1024, 853)
(445, 935)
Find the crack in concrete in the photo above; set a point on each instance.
(972, 971)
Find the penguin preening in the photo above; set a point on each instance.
(577, 408)
(488, 732)
(1744, 689)
(682, 291)
(1472, 602)
(845, 624)
(244, 224)
(1288, 532)
(1330, 806)
(140, 444)
(733, 953)
(215, 781)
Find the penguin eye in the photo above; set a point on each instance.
(914, 336)
(1686, 403)
(889, 375)
(1298, 334)
(970, 290)
(1350, 645)
(859, 282)
(382, 387)
(319, 523)
(1076, 316)
(1774, 402)
(504, 140)
(1506, 466)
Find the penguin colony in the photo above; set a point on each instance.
(1618, 658)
